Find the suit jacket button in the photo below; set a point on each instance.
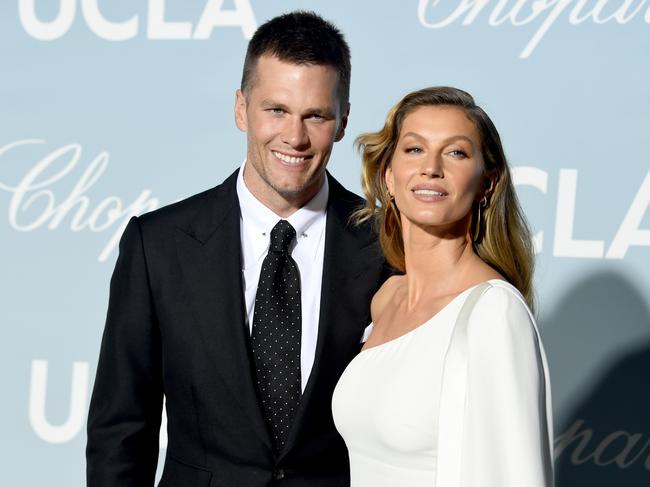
(278, 474)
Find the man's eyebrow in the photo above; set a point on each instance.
(323, 112)
(267, 103)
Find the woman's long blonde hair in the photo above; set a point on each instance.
(500, 233)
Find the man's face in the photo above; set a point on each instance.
(292, 116)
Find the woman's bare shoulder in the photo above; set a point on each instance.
(384, 296)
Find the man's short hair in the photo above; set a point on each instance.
(300, 37)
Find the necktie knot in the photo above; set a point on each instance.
(281, 236)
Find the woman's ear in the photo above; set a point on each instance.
(489, 183)
(390, 182)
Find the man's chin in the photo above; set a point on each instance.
(292, 192)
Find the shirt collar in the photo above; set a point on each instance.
(258, 220)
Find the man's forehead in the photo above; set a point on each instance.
(268, 69)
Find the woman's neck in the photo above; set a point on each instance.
(437, 262)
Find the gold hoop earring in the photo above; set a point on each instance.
(476, 233)
(391, 198)
(392, 208)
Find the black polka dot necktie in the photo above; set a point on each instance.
(275, 338)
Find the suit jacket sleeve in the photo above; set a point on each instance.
(125, 409)
(507, 433)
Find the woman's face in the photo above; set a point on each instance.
(437, 170)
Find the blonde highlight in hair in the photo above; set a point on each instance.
(377, 150)
(501, 236)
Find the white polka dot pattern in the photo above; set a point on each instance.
(275, 339)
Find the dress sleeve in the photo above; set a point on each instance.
(507, 429)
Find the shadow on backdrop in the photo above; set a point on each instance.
(598, 339)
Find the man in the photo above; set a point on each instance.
(247, 370)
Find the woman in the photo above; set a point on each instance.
(434, 398)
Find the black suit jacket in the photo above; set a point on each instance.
(176, 326)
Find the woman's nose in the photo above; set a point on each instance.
(432, 166)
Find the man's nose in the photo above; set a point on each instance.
(295, 133)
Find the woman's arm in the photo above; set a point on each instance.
(507, 430)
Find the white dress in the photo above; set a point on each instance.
(387, 403)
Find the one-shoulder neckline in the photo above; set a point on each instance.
(431, 318)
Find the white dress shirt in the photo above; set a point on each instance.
(257, 221)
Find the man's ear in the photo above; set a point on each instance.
(241, 119)
(344, 123)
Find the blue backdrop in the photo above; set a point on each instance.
(113, 108)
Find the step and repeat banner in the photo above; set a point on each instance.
(113, 108)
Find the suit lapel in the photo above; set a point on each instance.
(210, 256)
